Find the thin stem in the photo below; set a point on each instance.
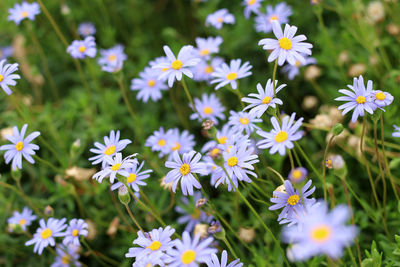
(307, 160)
(382, 173)
(276, 173)
(230, 248)
(45, 162)
(121, 214)
(324, 165)
(27, 199)
(291, 159)
(133, 218)
(274, 75)
(189, 97)
(96, 256)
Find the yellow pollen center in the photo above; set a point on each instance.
(208, 110)
(196, 214)
(360, 99)
(251, 2)
(298, 63)
(82, 48)
(297, 174)
(208, 69)
(75, 232)
(285, 43)
(281, 136)
(380, 96)
(321, 233)
(151, 83)
(1, 78)
(184, 169)
(155, 245)
(188, 256)
(116, 167)
(149, 265)
(220, 20)
(22, 222)
(222, 140)
(215, 152)
(131, 178)
(46, 233)
(204, 52)
(177, 64)
(266, 100)
(231, 76)
(164, 69)
(65, 259)
(293, 200)
(244, 121)
(24, 14)
(176, 147)
(274, 17)
(110, 150)
(112, 57)
(161, 142)
(232, 161)
(19, 146)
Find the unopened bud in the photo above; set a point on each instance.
(123, 195)
(201, 202)
(215, 227)
(207, 124)
(48, 210)
(337, 129)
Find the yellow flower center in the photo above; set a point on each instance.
(188, 256)
(232, 161)
(208, 110)
(65, 259)
(46, 233)
(293, 200)
(214, 152)
(176, 147)
(112, 57)
(1, 78)
(177, 64)
(251, 2)
(75, 232)
(196, 214)
(244, 121)
(22, 222)
(321, 233)
(151, 83)
(110, 150)
(360, 99)
(274, 17)
(208, 69)
(298, 63)
(227, 149)
(222, 140)
(380, 96)
(149, 265)
(164, 69)
(266, 100)
(161, 142)
(155, 245)
(82, 48)
(24, 14)
(184, 169)
(19, 146)
(296, 174)
(281, 136)
(285, 43)
(116, 167)
(204, 52)
(131, 178)
(231, 76)
(220, 20)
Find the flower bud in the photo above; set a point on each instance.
(214, 227)
(201, 202)
(207, 124)
(337, 129)
(123, 195)
(48, 210)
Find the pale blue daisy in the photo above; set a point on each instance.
(222, 138)
(297, 175)
(160, 141)
(67, 256)
(203, 70)
(381, 98)
(6, 52)
(229, 74)
(219, 17)
(154, 259)
(243, 121)
(111, 60)
(115, 165)
(83, 48)
(148, 85)
(251, 6)
(7, 76)
(135, 178)
(293, 70)
(280, 14)
(180, 142)
(23, 11)
(209, 107)
(396, 132)
(214, 261)
(76, 228)
(206, 47)
(86, 29)
(23, 219)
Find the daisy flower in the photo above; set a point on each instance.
(148, 85)
(23, 11)
(45, 234)
(111, 60)
(76, 228)
(286, 47)
(152, 242)
(189, 253)
(280, 14)
(135, 177)
(292, 201)
(7, 77)
(160, 141)
(230, 74)
(176, 66)
(183, 170)
(223, 137)
(298, 174)
(281, 137)
(83, 48)
(203, 70)
(115, 165)
(322, 233)
(67, 256)
(157, 61)
(214, 261)
(381, 99)
(293, 70)
(209, 108)
(86, 29)
(20, 147)
(219, 17)
(251, 6)
(358, 99)
(23, 219)
(180, 142)
(112, 145)
(207, 47)
(243, 121)
(264, 99)
(154, 259)
(6, 52)
(396, 132)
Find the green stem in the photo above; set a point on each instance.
(307, 160)
(324, 165)
(97, 255)
(189, 97)
(230, 247)
(274, 75)
(133, 218)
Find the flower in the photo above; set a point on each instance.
(160, 141)
(6, 52)
(292, 201)
(152, 242)
(298, 174)
(190, 252)
(176, 66)
(67, 256)
(148, 85)
(160, 60)
(115, 165)
(280, 14)
(86, 29)
(358, 100)
(181, 143)
(76, 228)
(396, 132)
(322, 232)
(111, 60)
(243, 121)
(287, 47)
(214, 262)
(280, 138)
(45, 234)
(203, 70)
(251, 6)
(294, 70)
(264, 99)
(22, 11)
(112, 145)
(154, 259)
(207, 47)
(219, 17)
(83, 48)
(380, 98)
(7, 77)
(20, 147)
(229, 74)
(223, 137)
(135, 177)
(209, 107)
(23, 219)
